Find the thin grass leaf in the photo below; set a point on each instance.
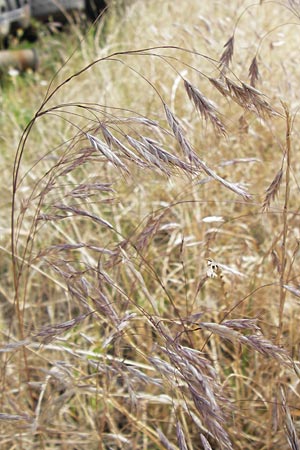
(205, 443)
(235, 187)
(289, 426)
(89, 189)
(180, 437)
(15, 417)
(165, 441)
(14, 346)
(293, 290)
(79, 212)
(234, 161)
(242, 324)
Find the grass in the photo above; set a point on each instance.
(152, 301)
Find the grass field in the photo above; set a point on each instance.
(150, 233)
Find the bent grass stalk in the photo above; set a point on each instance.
(151, 349)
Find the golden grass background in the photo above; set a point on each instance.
(116, 331)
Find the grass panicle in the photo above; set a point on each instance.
(272, 190)
(227, 54)
(205, 107)
(253, 72)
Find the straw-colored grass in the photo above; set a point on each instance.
(149, 290)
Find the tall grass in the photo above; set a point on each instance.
(153, 297)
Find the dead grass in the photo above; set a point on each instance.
(153, 301)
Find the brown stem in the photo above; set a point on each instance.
(285, 224)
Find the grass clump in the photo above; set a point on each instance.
(153, 298)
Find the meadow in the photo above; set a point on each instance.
(150, 236)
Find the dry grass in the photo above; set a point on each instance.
(153, 301)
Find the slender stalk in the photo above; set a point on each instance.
(284, 224)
